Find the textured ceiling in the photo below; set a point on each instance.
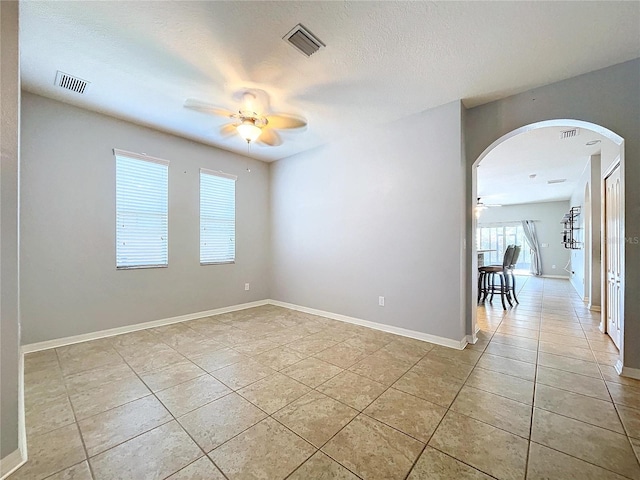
(383, 60)
(503, 175)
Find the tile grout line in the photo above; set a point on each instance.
(533, 400)
(448, 409)
(360, 412)
(613, 403)
(207, 373)
(206, 454)
(271, 415)
(75, 417)
(173, 418)
(317, 449)
(615, 406)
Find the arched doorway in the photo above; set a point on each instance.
(605, 171)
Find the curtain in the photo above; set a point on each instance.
(532, 239)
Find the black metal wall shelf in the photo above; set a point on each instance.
(569, 222)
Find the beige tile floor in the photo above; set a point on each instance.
(271, 393)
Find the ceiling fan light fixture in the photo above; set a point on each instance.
(249, 131)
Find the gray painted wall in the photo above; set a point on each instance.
(70, 284)
(591, 178)
(378, 214)
(608, 97)
(547, 218)
(9, 182)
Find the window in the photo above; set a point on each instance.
(497, 237)
(217, 217)
(142, 204)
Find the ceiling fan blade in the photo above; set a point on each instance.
(269, 137)
(228, 130)
(193, 104)
(286, 121)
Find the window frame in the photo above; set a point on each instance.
(501, 239)
(146, 158)
(234, 178)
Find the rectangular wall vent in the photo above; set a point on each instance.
(75, 84)
(304, 40)
(558, 180)
(574, 132)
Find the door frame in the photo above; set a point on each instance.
(562, 122)
(586, 236)
(603, 242)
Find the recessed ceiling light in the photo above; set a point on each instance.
(593, 142)
(557, 180)
(532, 176)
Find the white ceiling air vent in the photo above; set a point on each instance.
(558, 180)
(75, 84)
(574, 132)
(304, 40)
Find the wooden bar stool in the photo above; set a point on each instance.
(510, 278)
(486, 278)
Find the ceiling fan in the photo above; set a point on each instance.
(480, 205)
(250, 121)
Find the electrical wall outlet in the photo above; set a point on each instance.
(545, 245)
(246, 287)
(553, 266)
(381, 301)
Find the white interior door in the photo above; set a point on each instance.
(613, 223)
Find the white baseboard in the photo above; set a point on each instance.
(61, 342)
(18, 457)
(446, 342)
(473, 338)
(11, 463)
(563, 277)
(22, 423)
(595, 308)
(627, 371)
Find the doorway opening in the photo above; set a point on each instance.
(586, 265)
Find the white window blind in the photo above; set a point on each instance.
(217, 217)
(142, 204)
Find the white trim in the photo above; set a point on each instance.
(618, 367)
(18, 457)
(595, 308)
(473, 338)
(617, 163)
(60, 342)
(11, 463)
(563, 277)
(139, 156)
(22, 424)
(627, 371)
(446, 342)
(614, 137)
(219, 173)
